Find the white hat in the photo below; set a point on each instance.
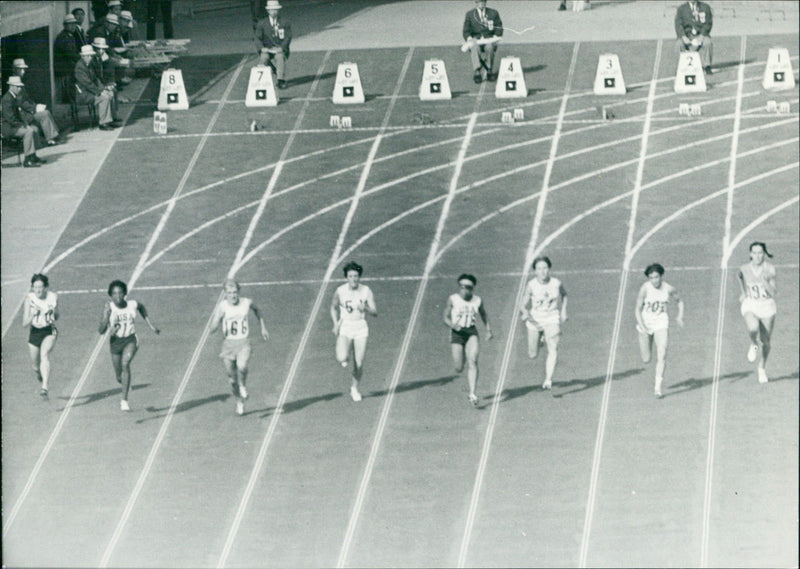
(87, 50)
(273, 5)
(113, 3)
(112, 18)
(70, 19)
(15, 81)
(19, 63)
(100, 43)
(126, 15)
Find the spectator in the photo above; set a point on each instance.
(153, 7)
(66, 53)
(90, 89)
(80, 35)
(482, 23)
(35, 113)
(16, 122)
(128, 30)
(114, 64)
(693, 22)
(273, 37)
(99, 9)
(115, 7)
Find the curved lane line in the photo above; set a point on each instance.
(758, 221)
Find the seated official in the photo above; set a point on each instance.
(18, 123)
(90, 89)
(37, 112)
(482, 23)
(273, 37)
(693, 22)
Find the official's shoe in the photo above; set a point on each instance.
(762, 376)
(107, 126)
(53, 142)
(29, 163)
(116, 122)
(355, 394)
(708, 70)
(477, 77)
(38, 160)
(492, 77)
(123, 405)
(240, 407)
(281, 84)
(752, 353)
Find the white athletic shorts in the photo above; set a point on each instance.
(761, 308)
(354, 329)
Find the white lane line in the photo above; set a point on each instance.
(378, 437)
(134, 496)
(84, 376)
(598, 445)
(758, 221)
(332, 264)
(540, 210)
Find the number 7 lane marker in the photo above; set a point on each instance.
(598, 445)
(332, 264)
(529, 255)
(96, 351)
(712, 420)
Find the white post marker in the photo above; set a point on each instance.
(172, 96)
(778, 75)
(159, 122)
(348, 85)
(510, 80)
(434, 86)
(690, 77)
(608, 79)
(261, 88)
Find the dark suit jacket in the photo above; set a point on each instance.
(267, 36)
(687, 25)
(66, 53)
(87, 80)
(474, 28)
(14, 115)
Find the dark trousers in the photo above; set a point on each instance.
(166, 18)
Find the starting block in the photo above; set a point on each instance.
(606, 113)
(772, 106)
(783, 107)
(434, 86)
(261, 88)
(159, 122)
(506, 117)
(690, 77)
(336, 121)
(347, 122)
(778, 74)
(519, 115)
(510, 81)
(348, 85)
(172, 95)
(693, 110)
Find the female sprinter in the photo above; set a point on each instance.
(460, 315)
(40, 312)
(652, 319)
(351, 302)
(757, 282)
(119, 315)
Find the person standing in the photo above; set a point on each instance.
(232, 314)
(273, 36)
(66, 53)
(544, 310)
(351, 303)
(153, 8)
(119, 315)
(482, 24)
(652, 319)
(40, 313)
(693, 23)
(460, 315)
(80, 34)
(758, 307)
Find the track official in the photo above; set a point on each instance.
(693, 22)
(273, 35)
(482, 23)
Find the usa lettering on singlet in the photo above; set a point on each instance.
(352, 302)
(234, 319)
(756, 282)
(42, 310)
(544, 297)
(124, 317)
(464, 312)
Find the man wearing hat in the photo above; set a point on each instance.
(89, 89)
(482, 23)
(66, 53)
(153, 8)
(127, 27)
(693, 23)
(17, 122)
(80, 35)
(106, 39)
(273, 37)
(34, 113)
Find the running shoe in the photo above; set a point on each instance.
(43, 394)
(547, 384)
(659, 380)
(243, 392)
(123, 405)
(762, 376)
(473, 399)
(240, 407)
(752, 353)
(354, 393)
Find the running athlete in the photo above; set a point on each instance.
(757, 282)
(544, 309)
(460, 315)
(350, 303)
(119, 316)
(232, 313)
(652, 318)
(40, 313)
